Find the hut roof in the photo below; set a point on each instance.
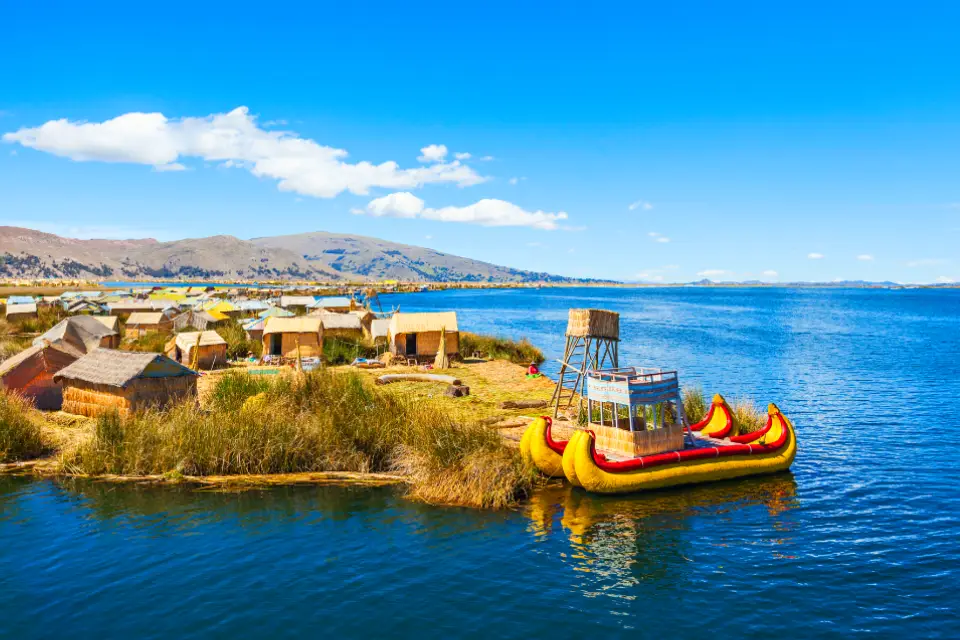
(21, 300)
(188, 339)
(37, 358)
(254, 324)
(110, 322)
(296, 301)
(140, 317)
(140, 305)
(423, 322)
(305, 324)
(380, 327)
(81, 332)
(338, 320)
(275, 312)
(331, 302)
(21, 308)
(119, 368)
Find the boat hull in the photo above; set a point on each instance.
(744, 460)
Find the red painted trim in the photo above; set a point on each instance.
(706, 420)
(756, 435)
(557, 445)
(723, 433)
(673, 457)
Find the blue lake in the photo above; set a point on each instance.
(860, 538)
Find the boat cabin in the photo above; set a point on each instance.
(635, 412)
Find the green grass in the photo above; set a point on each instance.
(695, 404)
(494, 348)
(20, 436)
(152, 342)
(321, 421)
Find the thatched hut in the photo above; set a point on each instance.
(282, 336)
(106, 380)
(417, 335)
(211, 349)
(31, 372)
(346, 326)
(141, 323)
(380, 330)
(82, 333)
(24, 311)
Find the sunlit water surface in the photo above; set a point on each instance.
(861, 537)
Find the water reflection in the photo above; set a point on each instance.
(617, 542)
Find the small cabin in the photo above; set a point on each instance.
(30, 373)
(417, 335)
(107, 380)
(379, 330)
(333, 304)
(211, 349)
(290, 337)
(635, 412)
(141, 323)
(297, 304)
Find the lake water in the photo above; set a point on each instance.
(860, 538)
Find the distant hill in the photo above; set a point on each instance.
(360, 257)
(25, 253)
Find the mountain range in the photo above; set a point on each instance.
(26, 253)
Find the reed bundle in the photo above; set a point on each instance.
(596, 323)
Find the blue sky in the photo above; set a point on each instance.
(750, 138)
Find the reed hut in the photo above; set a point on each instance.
(141, 323)
(333, 304)
(282, 336)
(107, 380)
(22, 311)
(417, 335)
(110, 322)
(297, 304)
(346, 326)
(30, 373)
(81, 333)
(254, 329)
(198, 349)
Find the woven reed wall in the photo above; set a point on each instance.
(93, 400)
(593, 322)
(639, 443)
(311, 345)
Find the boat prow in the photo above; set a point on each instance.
(538, 447)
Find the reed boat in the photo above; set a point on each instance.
(702, 458)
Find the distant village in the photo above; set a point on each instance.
(87, 352)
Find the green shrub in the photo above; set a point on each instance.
(340, 351)
(238, 344)
(150, 342)
(493, 348)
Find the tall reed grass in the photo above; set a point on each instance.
(320, 421)
(20, 436)
(494, 348)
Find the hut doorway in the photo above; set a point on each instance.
(411, 344)
(276, 344)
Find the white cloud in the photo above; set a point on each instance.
(298, 164)
(658, 237)
(770, 273)
(486, 158)
(712, 273)
(462, 155)
(815, 256)
(433, 153)
(663, 239)
(396, 205)
(516, 181)
(945, 280)
(640, 204)
(927, 262)
(534, 244)
(656, 275)
(428, 237)
(488, 212)
(865, 257)
(173, 166)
